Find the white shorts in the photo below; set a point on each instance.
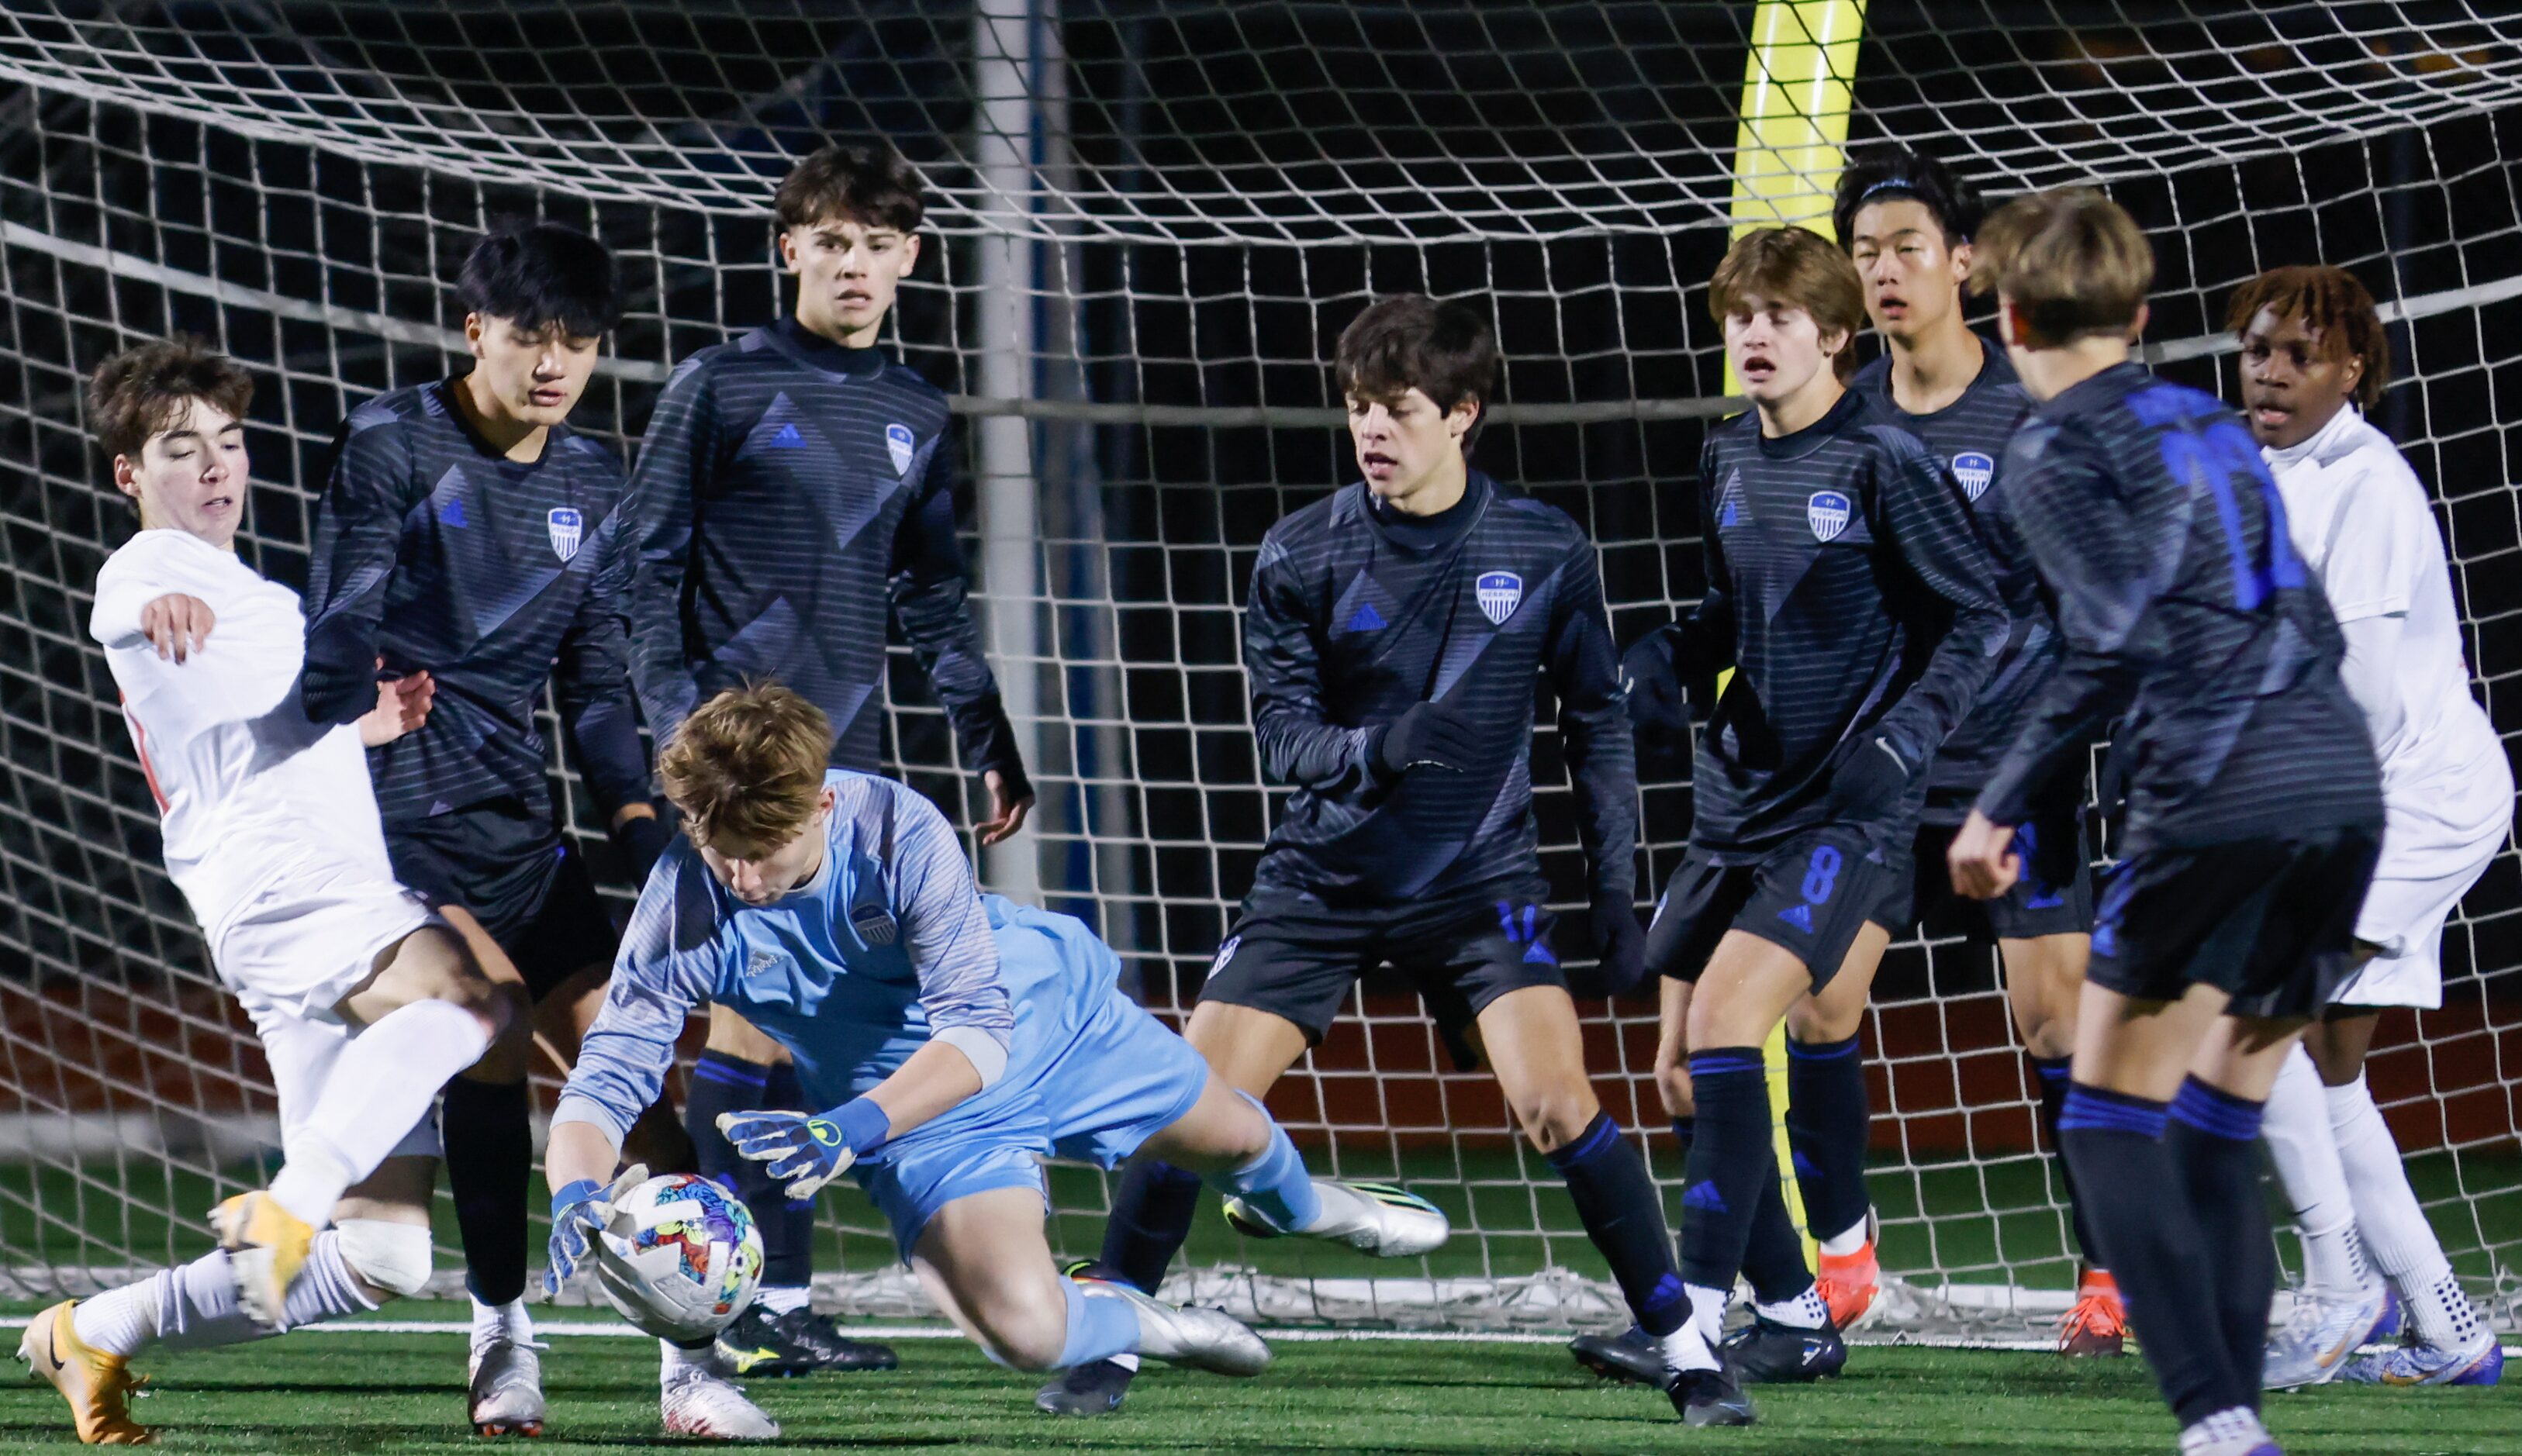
(2404, 916)
(302, 943)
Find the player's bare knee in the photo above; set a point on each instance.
(1020, 1333)
(512, 1045)
(1813, 1022)
(388, 1260)
(1556, 1116)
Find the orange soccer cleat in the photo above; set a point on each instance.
(97, 1386)
(1850, 1283)
(2098, 1324)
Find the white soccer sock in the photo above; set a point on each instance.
(1805, 1311)
(382, 1085)
(492, 1323)
(2306, 1152)
(2237, 1424)
(781, 1298)
(195, 1307)
(1686, 1348)
(2396, 1236)
(673, 1359)
(1847, 1241)
(1708, 1311)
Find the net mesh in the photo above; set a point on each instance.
(1155, 218)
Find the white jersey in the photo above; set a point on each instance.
(2358, 517)
(253, 795)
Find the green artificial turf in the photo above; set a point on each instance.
(326, 1391)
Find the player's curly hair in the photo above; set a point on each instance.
(2332, 301)
(1799, 267)
(747, 766)
(139, 391)
(869, 184)
(2073, 262)
(1886, 170)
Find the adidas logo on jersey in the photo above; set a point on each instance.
(452, 513)
(1365, 619)
(788, 437)
(761, 961)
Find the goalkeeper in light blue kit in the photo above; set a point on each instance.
(958, 1039)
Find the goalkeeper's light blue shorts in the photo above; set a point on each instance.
(1101, 1076)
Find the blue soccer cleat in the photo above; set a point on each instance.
(2323, 1334)
(2478, 1363)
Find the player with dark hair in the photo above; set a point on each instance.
(1849, 593)
(1392, 636)
(792, 494)
(2255, 807)
(2313, 346)
(1907, 222)
(464, 550)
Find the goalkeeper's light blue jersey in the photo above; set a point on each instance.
(887, 947)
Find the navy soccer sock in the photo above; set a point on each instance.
(2052, 1074)
(2212, 1140)
(1729, 1157)
(721, 1083)
(1685, 1131)
(490, 1159)
(1773, 1256)
(787, 1224)
(1828, 1121)
(1151, 1214)
(1607, 1182)
(2140, 1210)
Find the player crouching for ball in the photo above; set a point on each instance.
(958, 1039)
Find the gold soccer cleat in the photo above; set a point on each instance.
(97, 1386)
(266, 1247)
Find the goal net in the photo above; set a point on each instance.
(1154, 219)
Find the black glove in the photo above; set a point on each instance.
(1658, 701)
(1426, 736)
(1619, 946)
(1869, 782)
(643, 841)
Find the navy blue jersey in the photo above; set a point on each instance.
(1848, 592)
(1968, 439)
(787, 492)
(435, 551)
(2182, 603)
(1351, 622)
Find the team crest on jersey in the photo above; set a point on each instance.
(897, 444)
(1498, 593)
(874, 923)
(1225, 953)
(1974, 470)
(1827, 512)
(567, 528)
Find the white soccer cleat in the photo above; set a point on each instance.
(1374, 1218)
(2321, 1335)
(698, 1401)
(506, 1396)
(1209, 1339)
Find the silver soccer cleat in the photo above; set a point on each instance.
(697, 1401)
(1374, 1218)
(2318, 1339)
(1209, 1339)
(507, 1389)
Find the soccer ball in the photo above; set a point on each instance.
(680, 1258)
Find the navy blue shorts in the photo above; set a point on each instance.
(513, 871)
(2053, 896)
(2270, 921)
(1811, 895)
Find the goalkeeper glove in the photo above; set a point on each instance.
(808, 1151)
(578, 1214)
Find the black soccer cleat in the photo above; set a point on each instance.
(1094, 1389)
(760, 1344)
(1769, 1353)
(1633, 1358)
(1710, 1398)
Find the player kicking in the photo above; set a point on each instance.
(1848, 591)
(465, 540)
(364, 1003)
(2254, 804)
(790, 486)
(955, 1038)
(2313, 346)
(1392, 636)
(1907, 222)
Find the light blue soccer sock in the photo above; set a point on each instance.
(1100, 1327)
(1276, 1186)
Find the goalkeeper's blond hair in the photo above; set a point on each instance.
(747, 766)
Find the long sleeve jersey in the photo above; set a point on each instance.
(885, 948)
(1967, 439)
(434, 551)
(1848, 589)
(787, 491)
(1351, 622)
(2183, 603)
